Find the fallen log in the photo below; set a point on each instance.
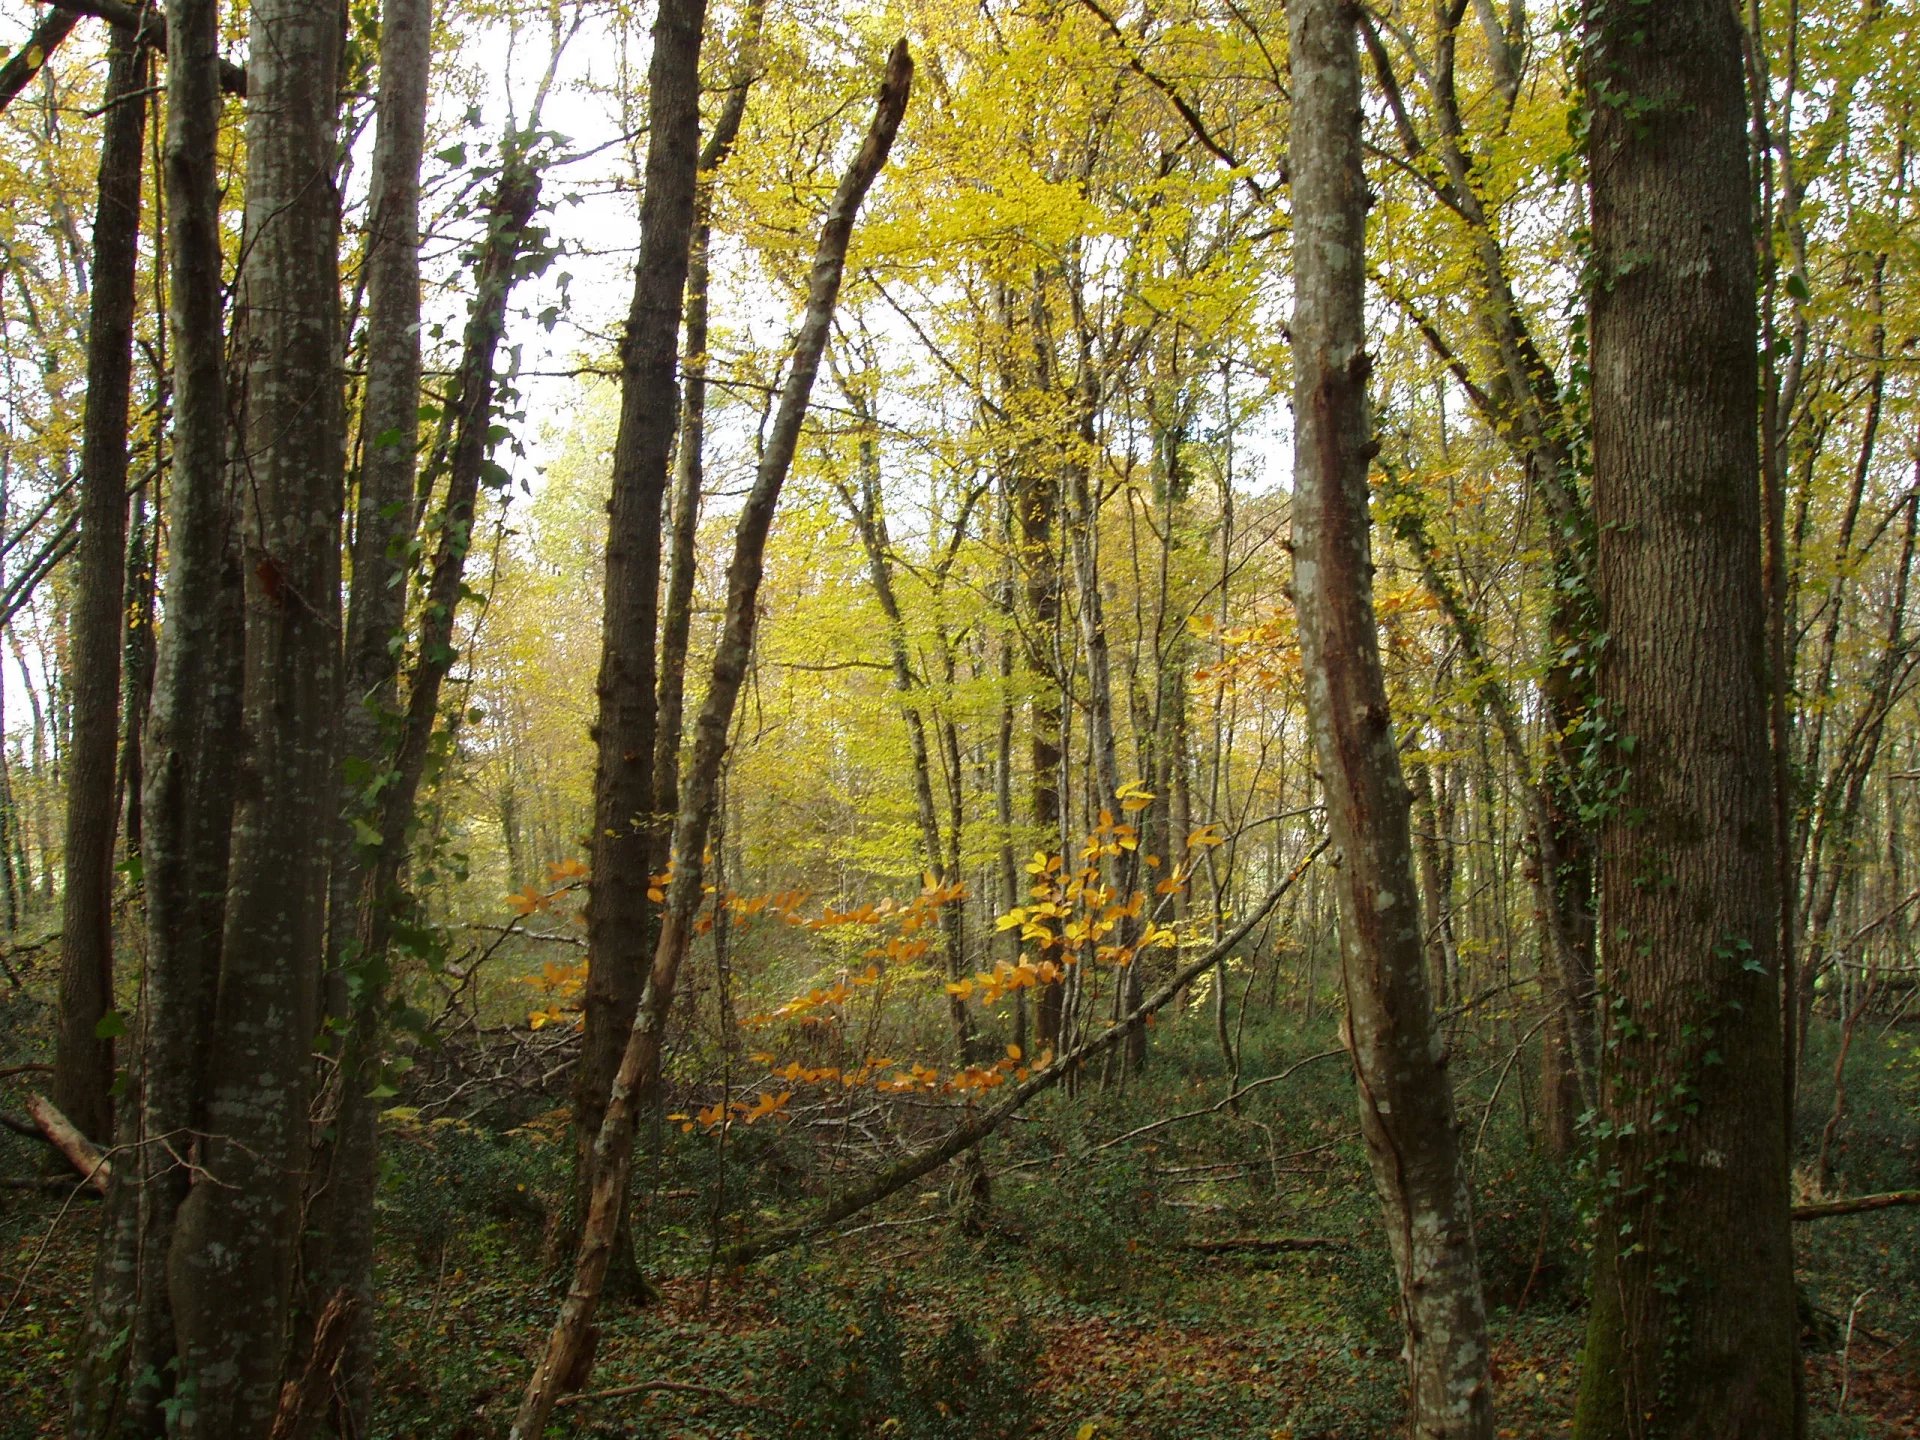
(81, 1152)
(1858, 1205)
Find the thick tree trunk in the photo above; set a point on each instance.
(568, 1354)
(1406, 1095)
(1692, 1328)
(83, 1058)
(238, 1232)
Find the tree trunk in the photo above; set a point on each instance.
(238, 1233)
(676, 622)
(83, 1058)
(343, 1177)
(620, 921)
(1692, 1329)
(568, 1355)
(1406, 1096)
(187, 785)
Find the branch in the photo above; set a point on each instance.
(1187, 112)
(965, 1136)
(644, 1387)
(26, 62)
(1858, 1205)
(149, 24)
(80, 1151)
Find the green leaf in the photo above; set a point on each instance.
(1797, 287)
(110, 1026)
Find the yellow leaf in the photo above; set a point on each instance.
(1085, 1432)
(1013, 1052)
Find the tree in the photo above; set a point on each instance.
(626, 835)
(1406, 1095)
(1692, 1330)
(568, 1357)
(187, 803)
(236, 1237)
(83, 1062)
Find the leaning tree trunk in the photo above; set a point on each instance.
(238, 1233)
(83, 1056)
(1692, 1329)
(1406, 1095)
(569, 1352)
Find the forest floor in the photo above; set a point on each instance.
(1084, 1307)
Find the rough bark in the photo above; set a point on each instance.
(1406, 1095)
(1692, 1328)
(83, 1058)
(567, 1357)
(237, 1235)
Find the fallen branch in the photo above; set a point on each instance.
(81, 1152)
(678, 1387)
(1858, 1205)
(965, 1136)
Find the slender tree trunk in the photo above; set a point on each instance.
(568, 1357)
(83, 1058)
(238, 1233)
(187, 784)
(137, 656)
(620, 921)
(871, 523)
(1406, 1094)
(368, 848)
(1692, 1329)
(676, 623)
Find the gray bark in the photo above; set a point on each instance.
(340, 1253)
(1405, 1092)
(237, 1235)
